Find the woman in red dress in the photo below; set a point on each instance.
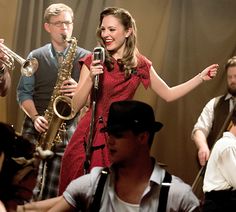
(119, 77)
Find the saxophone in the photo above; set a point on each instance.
(59, 108)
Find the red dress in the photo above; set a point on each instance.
(112, 87)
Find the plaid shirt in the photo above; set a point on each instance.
(52, 165)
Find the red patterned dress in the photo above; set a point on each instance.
(112, 87)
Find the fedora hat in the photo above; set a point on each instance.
(131, 115)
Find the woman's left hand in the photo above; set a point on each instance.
(209, 72)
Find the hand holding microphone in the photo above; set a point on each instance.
(96, 68)
(98, 54)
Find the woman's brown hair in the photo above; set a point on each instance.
(129, 60)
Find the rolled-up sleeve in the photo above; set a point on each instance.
(80, 191)
(25, 88)
(205, 120)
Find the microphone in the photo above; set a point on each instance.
(98, 54)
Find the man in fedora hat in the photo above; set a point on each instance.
(134, 182)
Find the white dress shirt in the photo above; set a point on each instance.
(221, 166)
(205, 120)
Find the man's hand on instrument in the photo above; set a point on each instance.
(68, 87)
(40, 124)
(203, 155)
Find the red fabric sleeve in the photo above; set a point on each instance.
(87, 60)
(143, 70)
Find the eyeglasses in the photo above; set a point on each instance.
(60, 23)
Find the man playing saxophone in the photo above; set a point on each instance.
(5, 78)
(35, 93)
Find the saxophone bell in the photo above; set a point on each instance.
(62, 108)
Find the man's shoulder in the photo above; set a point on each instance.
(182, 194)
(81, 51)
(40, 50)
(180, 190)
(219, 98)
(93, 175)
(96, 171)
(179, 185)
(228, 140)
(85, 182)
(213, 102)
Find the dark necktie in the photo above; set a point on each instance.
(232, 102)
(60, 58)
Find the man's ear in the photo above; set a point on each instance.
(46, 27)
(143, 137)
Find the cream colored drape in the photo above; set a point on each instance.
(180, 37)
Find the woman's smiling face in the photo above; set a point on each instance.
(114, 35)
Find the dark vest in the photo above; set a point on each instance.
(46, 75)
(221, 111)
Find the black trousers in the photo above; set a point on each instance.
(219, 201)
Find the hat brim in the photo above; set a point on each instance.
(120, 128)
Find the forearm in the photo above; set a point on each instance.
(28, 107)
(202, 146)
(44, 205)
(199, 139)
(82, 93)
(181, 90)
(63, 206)
(172, 93)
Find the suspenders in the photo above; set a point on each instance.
(165, 186)
(98, 194)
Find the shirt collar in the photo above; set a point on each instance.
(228, 96)
(157, 175)
(229, 135)
(54, 52)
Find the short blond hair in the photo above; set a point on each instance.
(56, 9)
